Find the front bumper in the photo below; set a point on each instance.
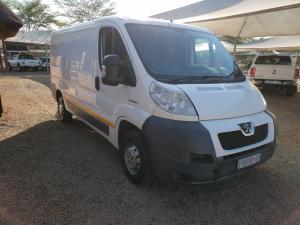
(185, 151)
(222, 168)
(30, 66)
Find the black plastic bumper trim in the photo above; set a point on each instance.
(172, 143)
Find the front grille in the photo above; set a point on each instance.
(236, 139)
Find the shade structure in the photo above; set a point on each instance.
(281, 43)
(228, 46)
(9, 22)
(41, 37)
(241, 18)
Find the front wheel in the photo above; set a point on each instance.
(64, 115)
(291, 91)
(135, 159)
(19, 69)
(9, 67)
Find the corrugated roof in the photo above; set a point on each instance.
(32, 37)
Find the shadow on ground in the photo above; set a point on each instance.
(68, 174)
(42, 77)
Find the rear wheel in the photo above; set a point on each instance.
(291, 91)
(135, 159)
(64, 115)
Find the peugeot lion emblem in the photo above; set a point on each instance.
(247, 129)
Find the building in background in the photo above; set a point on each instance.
(36, 43)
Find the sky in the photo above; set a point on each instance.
(142, 8)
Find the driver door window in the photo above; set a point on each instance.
(112, 43)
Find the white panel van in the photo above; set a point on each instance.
(168, 96)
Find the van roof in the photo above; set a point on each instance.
(119, 20)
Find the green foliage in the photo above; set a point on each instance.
(33, 14)
(85, 10)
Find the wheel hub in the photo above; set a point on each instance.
(132, 159)
(60, 109)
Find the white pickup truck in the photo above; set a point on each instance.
(277, 70)
(23, 62)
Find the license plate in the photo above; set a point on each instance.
(272, 82)
(249, 161)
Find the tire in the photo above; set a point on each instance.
(135, 159)
(291, 91)
(9, 67)
(19, 69)
(63, 114)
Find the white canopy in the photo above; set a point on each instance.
(241, 18)
(228, 46)
(40, 37)
(282, 43)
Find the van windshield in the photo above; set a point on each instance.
(178, 55)
(273, 60)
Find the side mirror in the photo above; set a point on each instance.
(115, 72)
(110, 70)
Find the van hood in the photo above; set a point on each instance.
(222, 101)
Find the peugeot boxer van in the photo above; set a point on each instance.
(168, 96)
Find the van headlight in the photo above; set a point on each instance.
(175, 102)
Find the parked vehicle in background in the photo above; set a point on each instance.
(24, 62)
(277, 70)
(45, 62)
(168, 95)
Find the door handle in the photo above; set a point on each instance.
(97, 83)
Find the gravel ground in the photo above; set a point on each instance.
(58, 174)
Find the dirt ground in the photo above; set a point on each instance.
(58, 174)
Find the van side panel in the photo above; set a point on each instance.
(74, 61)
(74, 67)
(73, 71)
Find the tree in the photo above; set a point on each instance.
(85, 10)
(33, 14)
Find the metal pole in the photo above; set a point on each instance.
(1, 50)
(234, 48)
(1, 107)
(237, 37)
(5, 54)
(46, 55)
